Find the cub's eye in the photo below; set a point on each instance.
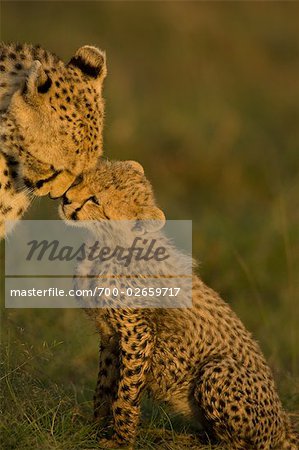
(94, 200)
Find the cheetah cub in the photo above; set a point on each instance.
(51, 120)
(200, 359)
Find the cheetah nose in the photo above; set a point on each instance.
(65, 200)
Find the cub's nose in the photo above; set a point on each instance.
(65, 200)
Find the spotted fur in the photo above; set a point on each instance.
(51, 120)
(200, 359)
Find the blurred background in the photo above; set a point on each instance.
(205, 96)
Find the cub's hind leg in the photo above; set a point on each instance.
(13, 199)
(241, 405)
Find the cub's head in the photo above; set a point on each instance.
(58, 111)
(116, 190)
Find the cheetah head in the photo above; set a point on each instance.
(115, 190)
(58, 113)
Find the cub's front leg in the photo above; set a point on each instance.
(136, 346)
(108, 377)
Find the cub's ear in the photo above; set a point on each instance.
(37, 82)
(136, 165)
(150, 219)
(91, 61)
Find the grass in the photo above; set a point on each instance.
(39, 413)
(205, 96)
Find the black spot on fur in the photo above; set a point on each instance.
(118, 410)
(5, 209)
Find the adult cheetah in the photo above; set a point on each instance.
(51, 122)
(199, 359)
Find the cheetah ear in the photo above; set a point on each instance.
(136, 165)
(91, 61)
(37, 82)
(151, 219)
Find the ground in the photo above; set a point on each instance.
(48, 375)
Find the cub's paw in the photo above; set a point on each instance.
(115, 444)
